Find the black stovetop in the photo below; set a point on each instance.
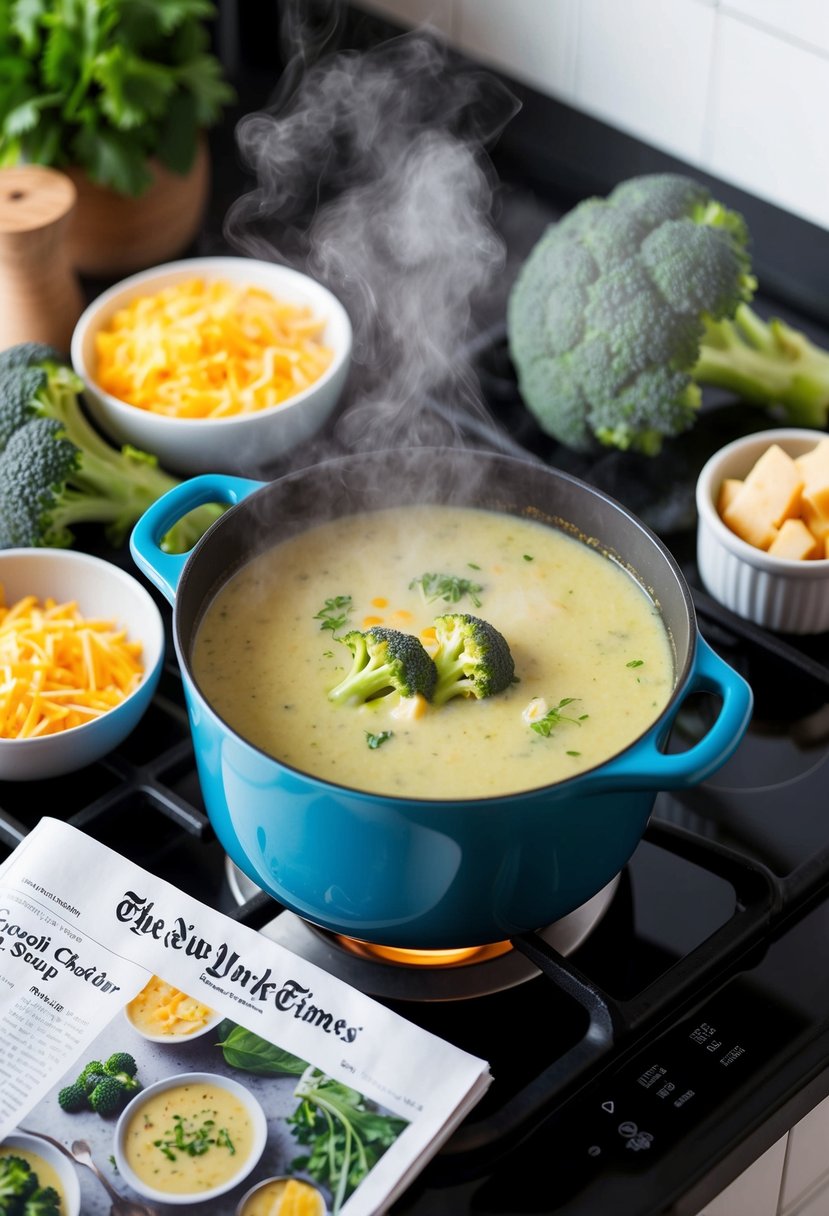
(691, 1026)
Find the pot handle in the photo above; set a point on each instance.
(646, 766)
(164, 569)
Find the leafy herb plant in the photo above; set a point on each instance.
(345, 1138)
(105, 84)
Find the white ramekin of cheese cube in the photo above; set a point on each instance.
(763, 530)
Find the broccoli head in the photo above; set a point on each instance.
(72, 1097)
(45, 1201)
(108, 1096)
(93, 1068)
(17, 1179)
(472, 659)
(103, 1087)
(56, 471)
(629, 303)
(384, 661)
(121, 1063)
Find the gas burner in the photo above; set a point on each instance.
(441, 975)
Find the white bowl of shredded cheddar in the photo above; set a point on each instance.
(218, 364)
(81, 650)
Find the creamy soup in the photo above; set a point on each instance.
(208, 1118)
(593, 661)
(47, 1175)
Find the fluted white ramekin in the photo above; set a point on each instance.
(780, 593)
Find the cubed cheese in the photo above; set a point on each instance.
(770, 493)
(795, 541)
(814, 466)
(728, 492)
(814, 507)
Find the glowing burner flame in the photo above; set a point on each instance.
(460, 957)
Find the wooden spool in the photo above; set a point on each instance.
(40, 297)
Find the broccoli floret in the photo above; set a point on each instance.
(56, 471)
(72, 1098)
(121, 1062)
(45, 1201)
(93, 1068)
(17, 1179)
(385, 661)
(628, 304)
(473, 659)
(128, 1083)
(108, 1096)
(93, 1088)
(93, 1080)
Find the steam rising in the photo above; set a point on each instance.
(371, 177)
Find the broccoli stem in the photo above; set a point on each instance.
(767, 363)
(124, 481)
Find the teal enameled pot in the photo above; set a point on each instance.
(414, 873)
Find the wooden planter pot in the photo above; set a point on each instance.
(111, 234)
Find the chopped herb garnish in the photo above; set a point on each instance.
(448, 587)
(473, 565)
(375, 741)
(334, 614)
(554, 717)
(635, 663)
(574, 753)
(528, 557)
(193, 1139)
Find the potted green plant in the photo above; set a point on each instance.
(118, 94)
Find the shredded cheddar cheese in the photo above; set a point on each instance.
(59, 670)
(209, 349)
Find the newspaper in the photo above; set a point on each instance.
(100, 959)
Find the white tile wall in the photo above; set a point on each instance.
(532, 40)
(769, 100)
(643, 66)
(807, 21)
(737, 87)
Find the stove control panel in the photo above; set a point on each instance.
(646, 1105)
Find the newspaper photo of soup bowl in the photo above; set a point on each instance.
(189, 1138)
(162, 1013)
